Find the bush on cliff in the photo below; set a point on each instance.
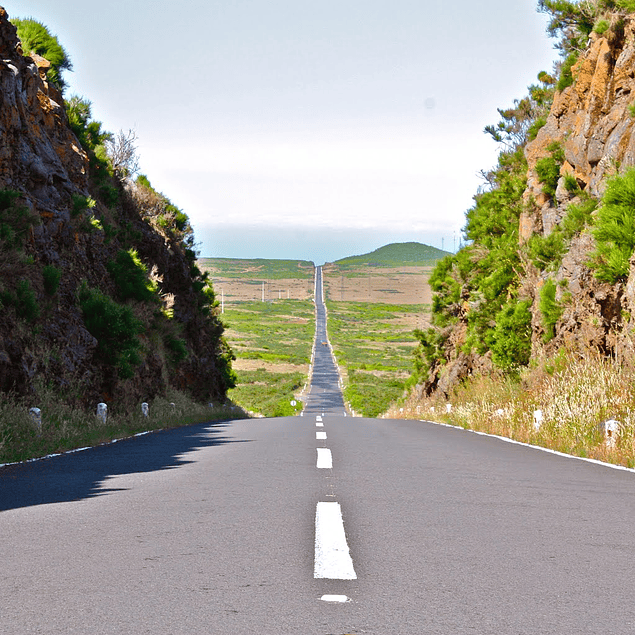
(615, 229)
(36, 38)
(115, 328)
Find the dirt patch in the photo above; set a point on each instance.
(388, 285)
(272, 367)
(237, 290)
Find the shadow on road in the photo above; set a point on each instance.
(79, 475)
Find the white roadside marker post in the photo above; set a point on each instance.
(611, 430)
(145, 409)
(102, 412)
(36, 416)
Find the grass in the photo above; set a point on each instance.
(270, 393)
(272, 342)
(575, 396)
(258, 269)
(373, 344)
(64, 428)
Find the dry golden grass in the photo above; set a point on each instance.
(574, 395)
(388, 285)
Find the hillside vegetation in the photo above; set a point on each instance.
(396, 255)
(543, 292)
(375, 302)
(101, 297)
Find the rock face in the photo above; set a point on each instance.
(44, 339)
(591, 122)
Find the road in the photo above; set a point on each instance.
(325, 394)
(212, 529)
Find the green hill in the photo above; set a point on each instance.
(397, 254)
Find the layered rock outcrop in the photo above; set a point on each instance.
(44, 339)
(590, 134)
(592, 122)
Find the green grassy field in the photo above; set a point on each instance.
(272, 342)
(375, 303)
(373, 344)
(257, 268)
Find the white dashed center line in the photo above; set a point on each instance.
(324, 458)
(320, 435)
(332, 556)
(334, 598)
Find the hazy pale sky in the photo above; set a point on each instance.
(315, 130)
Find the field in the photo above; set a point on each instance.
(269, 316)
(373, 311)
(252, 280)
(377, 284)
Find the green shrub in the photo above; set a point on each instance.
(131, 277)
(533, 130)
(109, 195)
(547, 252)
(578, 216)
(115, 328)
(550, 309)
(615, 229)
(89, 132)
(571, 184)
(510, 340)
(52, 276)
(142, 179)
(15, 220)
(23, 299)
(601, 26)
(548, 169)
(566, 72)
(36, 38)
(81, 204)
(176, 347)
(429, 350)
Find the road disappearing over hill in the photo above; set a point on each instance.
(325, 394)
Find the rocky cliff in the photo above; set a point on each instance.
(592, 123)
(550, 293)
(74, 236)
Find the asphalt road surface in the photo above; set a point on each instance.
(320, 524)
(325, 394)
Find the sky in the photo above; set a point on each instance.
(305, 130)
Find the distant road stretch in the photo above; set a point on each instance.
(325, 395)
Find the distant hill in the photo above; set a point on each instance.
(397, 254)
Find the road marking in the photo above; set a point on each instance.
(324, 458)
(334, 598)
(320, 435)
(318, 418)
(613, 466)
(332, 556)
(319, 424)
